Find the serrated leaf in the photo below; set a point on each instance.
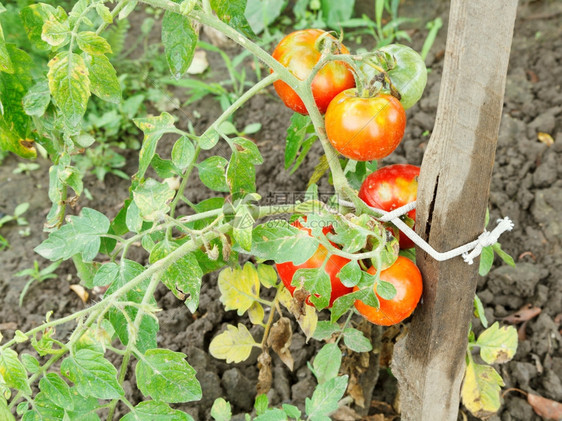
(153, 129)
(12, 371)
(33, 17)
(350, 274)
(386, 290)
(183, 277)
(183, 153)
(291, 411)
(103, 78)
(212, 172)
(69, 85)
(92, 43)
(232, 13)
(37, 99)
(44, 409)
(279, 241)
(239, 288)
(104, 13)
(497, 345)
(153, 199)
(325, 398)
(55, 33)
(179, 39)
(146, 336)
(221, 410)
(327, 362)
(155, 411)
(80, 235)
(30, 363)
(167, 377)
(356, 341)
(480, 390)
(233, 345)
(57, 390)
(92, 374)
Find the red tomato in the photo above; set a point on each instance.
(392, 187)
(333, 266)
(407, 279)
(298, 53)
(365, 128)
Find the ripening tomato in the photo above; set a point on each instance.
(365, 128)
(407, 279)
(299, 53)
(333, 266)
(392, 187)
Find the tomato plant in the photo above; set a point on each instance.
(333, 265)
(391, 187)
(365, 128)
(299, 52)
(407, 280)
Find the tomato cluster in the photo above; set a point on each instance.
(364, 122)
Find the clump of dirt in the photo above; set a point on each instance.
(526, 186)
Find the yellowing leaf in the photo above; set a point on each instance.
(267, 275)
(256, 313)
(239, 288)
(497, 345)
(306, 315)
(481, 389)
(234, 345)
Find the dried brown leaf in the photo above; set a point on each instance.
(355, 390)
(81, 292)
(545, 138)
(527, 312)
(279, 339)
(345, 413)
(544, 407)
(265, 378)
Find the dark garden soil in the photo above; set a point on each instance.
(526, 186)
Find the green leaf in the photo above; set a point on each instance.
(267, 275)
(69, 85)
(92, 374)
(327, 362)
(183, 277)
(241, 174)
(386, 290)
(356, 341)
(70, 176)
(37, 99)
(273, 414)
(155, 411)
(167, 377)
(153, 128)
(291, 411)
(44, 409)
(248, 148)
(92, 43)
(133, 219)
(325, 329)
(279, 241)
(179, 39)
(479, 311)
(57, 390)
(234, 345)
(232, 13)
(183, 153)
(261, 13)
(80, 235)
(317, 282)
(480, 390)
(300, 127)
(325, 398)
(486, 260)
(55, 33)
(146, 337)
(103, 78)
(242, 227)
(104, 13)
(85, 409)
(261, 403)
(165, 168)
(30, 363)
(106, 274)
(13, 371)
(212, 173)
(337, 11)
(497, 345)
(129, 7)
(503, 255)
(221, 410)
(350, 274)
(5, 61)
(153, 199)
